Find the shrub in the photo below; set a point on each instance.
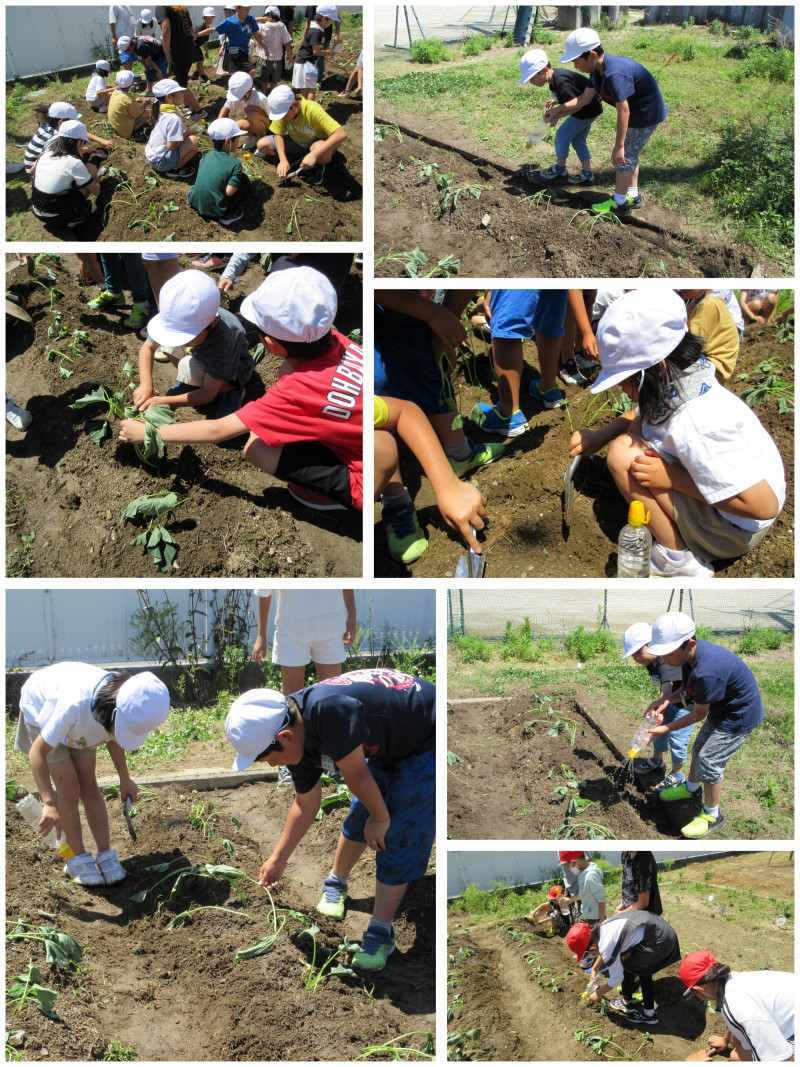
(541, 35)
(429, 52)
(584, 645)
(758, 638)
(471, 648)
(479, 42)
(775, 64)
(688, 53)
(716, 28)
(703, 633)
(744, 33)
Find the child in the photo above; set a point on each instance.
(758, 305)
(221, 186)
(237, 31)
(253, 105)
(46, 134)
(356, 75)
(306, 73)
(97, 91)
(710, 320)
(311, 625)
(640, 890)
(547, 917)
(640, 108)
(62, 182)
(127, 114)
(111, 264)
(725, 694)
(270, 56)
(566, 86)
(387, 715)
(316, 399)
(66, 711)
(146, 25)
(219, 365)
(169, 149)
(209, 18)
(302, 135)
(635, 643)
(692, 452)
(151, 52)
(592, 897)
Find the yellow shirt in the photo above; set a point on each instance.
(122, 111)
(311, 123)
(712, 321)
(381, 415)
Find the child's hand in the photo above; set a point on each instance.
(618, 156)
(128, 788)
(701, 1054)
(717, 1044)
(131, 430)
(48, 819)
(283, 169)
(271, 871)
(259, 648)
(142, 393)
(447, 326)
(651, 471)
(375, 833)
(461, 506)
(585, 443)
(593, 997)
(152, 402)
(225, 285)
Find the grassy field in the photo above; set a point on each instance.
(730, 121)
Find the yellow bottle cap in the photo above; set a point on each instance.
(632, 752)
(637, 515)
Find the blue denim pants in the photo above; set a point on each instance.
(573, 132)
(112, 262)
(676, 741)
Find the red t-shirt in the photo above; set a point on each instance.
(319, 401)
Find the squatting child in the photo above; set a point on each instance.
(302, 134)
(221, 186)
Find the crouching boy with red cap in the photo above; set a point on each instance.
(377, 727)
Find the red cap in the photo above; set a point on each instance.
(565, 857)
(694, 967)
(579, 936)
(555, 892)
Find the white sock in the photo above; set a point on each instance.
(461, 451)
(339, 879)
(692, 786)
(713, 812)
(675, 554)
(619, 198)
(633, 191)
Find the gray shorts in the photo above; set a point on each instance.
(635, 140)
(712, 750)
(27, 734)
(708, 533)
(269, 70)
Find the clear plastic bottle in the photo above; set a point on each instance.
(591, 987)
(635, 543)
(641, 737)
(564, 909)
(538, 133)
(31, 811)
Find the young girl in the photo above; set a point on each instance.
(62, 182)
(97, 91)
(66, 711)
(692, 452)
(168, 149)
(356, 78)
(253, 105)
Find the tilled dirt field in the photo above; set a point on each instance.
(527, 535)
(70, 492)
(291, 211)
(523, 237)
(501, 972)
(178, 995)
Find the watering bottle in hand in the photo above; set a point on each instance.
(635, 542)
(642, 735)
(563, 907)
(31, 811)
(594, 983)
(537, 134)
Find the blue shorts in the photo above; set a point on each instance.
(520, 313)
(127, 57)
(151, 76)
(409, 370)
(408, 788)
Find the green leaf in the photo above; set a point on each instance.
(458, 422)
(160, 415)
(100, 434)
(97, 396)
(258, 354)
(60, 948)
(139, 898)
(170, 206)
(260, 948)
(178, 921)
(153, 441)
(341, 969)
(171, 237)
(151, 180)
(149, 506)
(64, 373)
(452, 758)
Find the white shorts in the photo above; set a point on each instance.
(304, 76)
(159, 255)
(301, 641)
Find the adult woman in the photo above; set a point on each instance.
(62, 182)
(757, 1006)
(640, 883)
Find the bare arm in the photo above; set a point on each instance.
(623, 115)
(187, 433)
(166, 39)
(41, 775)
(443, 319)
(558, 111)
(361, 784)
(757, 502)
(585, 442)
(262, 627)
(578, 307)
(350, 619)
(127, 786)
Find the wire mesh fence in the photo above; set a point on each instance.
(556, 612)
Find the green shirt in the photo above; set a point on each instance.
(207, 195)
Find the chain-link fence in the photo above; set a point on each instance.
(556, 612)
(398, 27)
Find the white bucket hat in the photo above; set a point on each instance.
(73, 128)
(635, 637)
(239, 84)
(531, 63)
(578, 42)
(146, 15)
(62, 110)
(670, 631)
(123, 44)
(124, 79)
(188, 303)
(298, 304)
(209, 12)
(142, 706)
(638, 331)
(166, 87)
(280, 101)
(221, 129)
(102, 64)
(252, 723)
(328, 11)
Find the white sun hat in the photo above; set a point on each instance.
(252, 723)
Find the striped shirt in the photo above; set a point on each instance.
(40, 140)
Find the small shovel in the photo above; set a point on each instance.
(569, 488)
(472, 566)
(291, 174)
(127, 809)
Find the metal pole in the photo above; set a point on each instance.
(669, 605)
(408, 27)
(691, 605)
(419, 27)
(605, 623)
(396, 21)
(461, 601)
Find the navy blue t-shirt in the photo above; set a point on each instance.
(390, 714)
(726, 683)
(625, 79)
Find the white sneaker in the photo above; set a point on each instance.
(83, 869)
(284, 777)
(689, 566)
(19, 418)
(110, 867)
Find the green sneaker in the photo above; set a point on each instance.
(139, 315)
(375, 950)
(611, 207)
(479, 456)
(679, 792)
(333, 897)
(403, 532)
(106, 299)
(703, 824)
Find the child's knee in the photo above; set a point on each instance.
(621, 452)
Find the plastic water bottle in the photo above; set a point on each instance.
(635, 543)
(31, 811)
(591, 987)
(564, 909)
(537, 134)
(641, 737)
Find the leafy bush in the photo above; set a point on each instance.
(703, 633)
(758, 638)
(775, 64)
(541, 35)
(584, 645)
(479, 42)
(429, 52)
(716, 28)
(744, 33)
(688, 53)
(471, 648)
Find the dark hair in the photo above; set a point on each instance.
(65, 146)
(305, 349)
(598, 51)
(277, 746)
(219, 146)
(105, 699)
(717, 972)
(657, 393)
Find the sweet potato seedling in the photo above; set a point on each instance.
(326, 968)
(59, 948)
(28, 987)
(156, 540)
(400, 1052)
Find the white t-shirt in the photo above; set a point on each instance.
(148, 29)
(256, 99)
(732, 304)
(97, 81)
(122, 17)
(759, 1010)
(718, 439)
(58, 699)
(307, 603)
(168, 128)
(609, 936)
(604, 298)
(276, 36)
(55, 174)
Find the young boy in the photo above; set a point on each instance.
(237, 30)
(97, 91)
(566, 86)
(710, 319)
(151, 53)
(217, 364)
(253, 105)
(725, 694)
(640, 108)
(378, 728)
(60, 111)
(306, 73)
(209, 18)
(270, 57)
(221, 186)
(548, 917)
(127, 114)
(590, 894)
(302, 134)
(635, 642)
(316, 399)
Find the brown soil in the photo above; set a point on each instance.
(521, 1019)
(328, 212)
(523, 239)
(137, 979)
(70, 492)
(527, 536)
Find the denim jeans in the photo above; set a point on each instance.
(677, 741)
(112, 262)
(573, 132)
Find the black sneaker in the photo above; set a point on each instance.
(636, 1015)
(635, 201)
(229, 220)
(182, 172)
(315, 175)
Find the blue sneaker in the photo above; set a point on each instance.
(553, 398)
(179, 389)
(375, 950)
(490, 420)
